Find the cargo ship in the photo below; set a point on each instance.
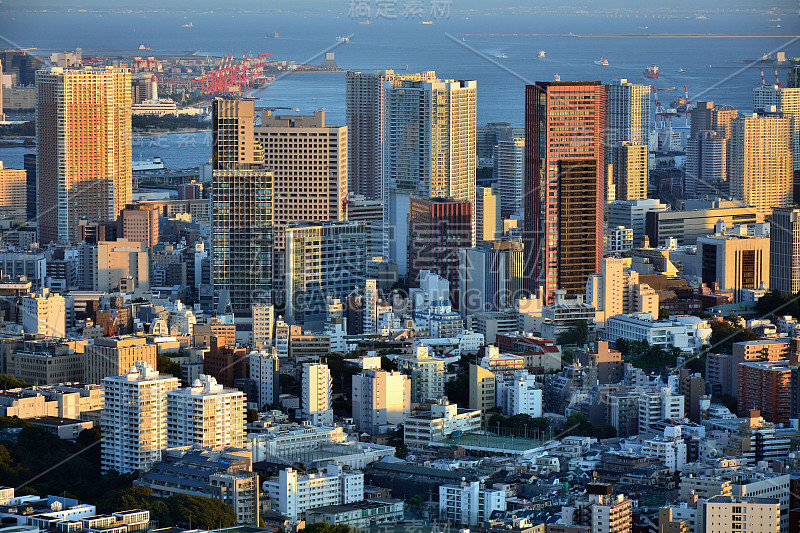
(651, 71)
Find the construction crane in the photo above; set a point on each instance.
(232, 76)
(777, 80)
(346, 201)
(663, 117)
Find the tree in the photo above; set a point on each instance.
(578, 424)
(387, 364)
(11, 382)
(604, 431)
(415, 502)
(724, 334)
(167, 366)
(322, 527)
(576, 335)
(200, 512)
(457, 389)
(252, 415)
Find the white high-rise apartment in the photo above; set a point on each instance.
(83, 132)
(786, 100)
(706, 165)
(784, 250)
(13, 189)
(616, 291)
(366, 126)
(134, 418)
(380, 398)
(293, 493)
(370, 307)
(627, 118)
(760, 170)
(206, 415)
(264, 371)
(509, 170)
(520, 394)
(43, 313)
(428, 145)
(426, 373)
(317, 394)
(263, 324)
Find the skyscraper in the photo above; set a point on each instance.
(437, 229)
(627, 113)
(83, 132)
(785, 100)
(784, 250)
(630, 171)
(366, 126)
(706, 165)
(242, 210)
(322, 259)
(509, 169)
(487, 215)
(564, 184)
(429, 144)
(760, 169)
(13, 191)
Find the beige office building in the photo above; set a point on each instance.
(113, 356)
(83, 132)
(735, 262)
(724, 514)
(481, 388)
(760, 165)
(630, 171)
(487, 216)
(13, 191)
(122, 265)
(139, 222)
(309, 162)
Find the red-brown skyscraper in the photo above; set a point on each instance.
(564, 192)
(437, 229)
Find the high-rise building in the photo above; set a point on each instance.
(490, 278)
(734, 262)
(139, 222)
(13, 189)
(264, 371)
(706, 165)
(509, 169)
(83, 132)
(263, 324)
(630, 171)
(322, 259)
(784, 250)
(632, 214)
(122, 265)
(487, 215)
(564, 184)
(317, 394)
(627, 113)
(760, 169)
(438, 228)
(134, 418)
(380, 398)
(429, 144)
(784, 100)
(766, 386)
(686, 226)
(753, 515)
(206, 415)
(2, 115)
(113, 356)
(616, 290)
(242, 206)
(482, 388)
(43, 313)
(366, 125)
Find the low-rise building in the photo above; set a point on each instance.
(469, 504)
(689, 333)
(443, 420)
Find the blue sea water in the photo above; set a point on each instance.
(502, 65)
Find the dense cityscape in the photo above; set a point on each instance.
(586, 320)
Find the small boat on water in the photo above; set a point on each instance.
(603, 62)
(680, 70)
(343, 39)
(540, 55)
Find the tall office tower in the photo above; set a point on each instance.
(760, 170)
(490, 135)
(509, 169)
(13, 191)
(784, 250)
(323, 259)
(264, 371)
(627, 121)
(630, 171)
(785, 100)
(29, 164)
(242, 209)
(317, 394)
(487, 215)
(370, 212)
(490, 278)
(564, 184)
(134, 418)
(380, 398)
(437, 229)
(83, 137)
(206, 415)
(429, 146)
(706, 165)
(366, 126)
(793, 77)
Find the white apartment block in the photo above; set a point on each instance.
(43, 313)
(264, 371)
(287, 440)
(380, 399)
(657, 405)
(263, 325)
(689, 333)
(205, 414)
(293, 494)
(616, 291)
(439, 423)
(426, 373)
(786, 100)
(317, 394)
(509, 170)
(469, 503)
(134, 418)
(520, 395)
(370, 307)
(723, 514)
(669, 448)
